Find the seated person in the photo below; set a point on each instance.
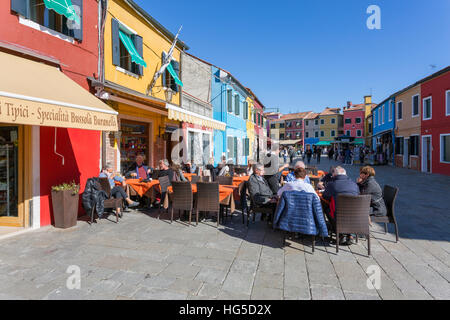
(275, 179)
(291, 176)
(260, 190)
(368, 185)
(299, 184)
(138, 170)
(213, 170)
(190, 168)
(164, 170)
(327, 179)
(178, 173)
(117, 186)
(249, 170)
(224, 169)
(341, 184)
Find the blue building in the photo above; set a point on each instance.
(230, 106)
(383, 139)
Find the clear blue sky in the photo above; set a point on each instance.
(303, 55)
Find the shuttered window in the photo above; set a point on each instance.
(120, 55)
(230, 147)
(237, 105)
(245, 113)
(230, 100)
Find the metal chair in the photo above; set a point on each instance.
(208, 199)
(352, 216)
(225, 181)
(109, 203)
(182, 198)
(389, 195)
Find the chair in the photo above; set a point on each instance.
(164, 183)
(225, 181)
(195, 179)
(255, 208)
(155, 174)
(244, 203)
(182, 198)
(352, 216)
(208, 199)
(389, 195)
(205, 179)
(108, 203)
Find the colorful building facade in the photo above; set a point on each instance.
(330, 123)
(383, 140)
(312, 129)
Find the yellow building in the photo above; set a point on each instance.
(330, 124)
(251, 129)
(134, 48)
(368, 106)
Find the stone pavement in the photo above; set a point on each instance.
(146, 258)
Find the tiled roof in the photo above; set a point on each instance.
(293, 116)
(330, 112)
(311, 115)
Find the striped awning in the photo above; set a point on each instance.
(179, 114)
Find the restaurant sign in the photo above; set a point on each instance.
(20, 111)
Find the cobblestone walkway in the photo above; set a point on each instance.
(146, 258)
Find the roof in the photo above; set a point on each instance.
(311, 115)
(330, 112)
(293, 116)
(356, 107)
(155, 23)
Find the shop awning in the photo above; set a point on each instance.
(289, 142)
(359, 141)
(34, 93)
(323, 143)
(63, 7)
(174, 74)
(179, 114)
(135, 57)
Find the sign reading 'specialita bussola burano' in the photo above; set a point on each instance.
(18, 111)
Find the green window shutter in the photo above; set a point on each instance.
(245, 110)
(21, 7)
(247, 147)
(235, 145)
(230, 101)
(78, 33)
(139, 45)
(115, 42)
(237, 105)
(164, 74)
(176, 68)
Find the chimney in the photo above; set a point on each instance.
(349, 104)
(367, 99)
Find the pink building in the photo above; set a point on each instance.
(354, 117)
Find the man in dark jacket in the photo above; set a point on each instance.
(340, 185)
(260, 190)
(138, 169)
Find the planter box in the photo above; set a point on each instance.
(65, 208)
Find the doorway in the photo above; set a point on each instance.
(406, 153)
(11, 176)
(426, 154)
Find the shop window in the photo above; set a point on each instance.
(445, 148)
(36, 11)
(415, 105)
(134, 142)
(427, 108)
(399, 142)
(348, 121)
(414, 145)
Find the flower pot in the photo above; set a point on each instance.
(65, 208)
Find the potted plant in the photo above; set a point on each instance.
(65, 198)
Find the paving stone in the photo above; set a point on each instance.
(158, 294)
(240, 283)
(269, 280)
(260, 293)
(319, 292)
(160, 282)
(212, 276)
(296, 293)
(209, 291)
(178, 270)
(183, 285)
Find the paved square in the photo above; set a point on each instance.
(146, 258)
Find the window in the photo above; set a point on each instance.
(298, 135)
(237, 105)
(288, 135)
(281, 136)
(414, 145)
(358, 120)
(399, 142)
(333, 133)
(445, 147)
(348, 133)
(299, 124)
(399, 110)
(447, 103)
(322, 133)
(230, 143)
(391, 110)
(379, 116)
(281, 125)
(37, 11)
(383, 114)
(316, 134)
(322, 121)
(246, 147)
(272, 126)
(288, 124)
(245, 113)
(415, 106)
(427, 108)
(306, 122)
(358, 133)
(316, 122)
(307, 134)
(230, 100)
(348, 121)
(333, 120)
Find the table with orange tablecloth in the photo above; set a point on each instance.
(226, 197)
(238, 182)
(189, 176)
(140, 188)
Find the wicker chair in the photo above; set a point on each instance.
(164, 183)
(182, 198)
(208, 199)
(389, 195)
(225, 181)
(352, 216)
(195, 179)
(205, 179)
(109, 203)
(245, 203)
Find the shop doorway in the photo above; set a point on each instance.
(426, 154)
(134, 142)
(11, 176)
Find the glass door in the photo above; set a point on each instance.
(10, 176)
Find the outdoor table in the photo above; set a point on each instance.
(226, 197)
(238, 182)
(138, 187)
(189, 176)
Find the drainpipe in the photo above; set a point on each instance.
(102, 10)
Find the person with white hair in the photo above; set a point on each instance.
(260, 190)
(164, 170)
(291, 176)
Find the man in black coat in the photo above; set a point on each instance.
(260, 190)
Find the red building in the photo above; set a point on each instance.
(56, 56)
(435, 123)
(260, 132)
(354, 117)
(295, 127)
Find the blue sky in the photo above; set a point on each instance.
(300, 55)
